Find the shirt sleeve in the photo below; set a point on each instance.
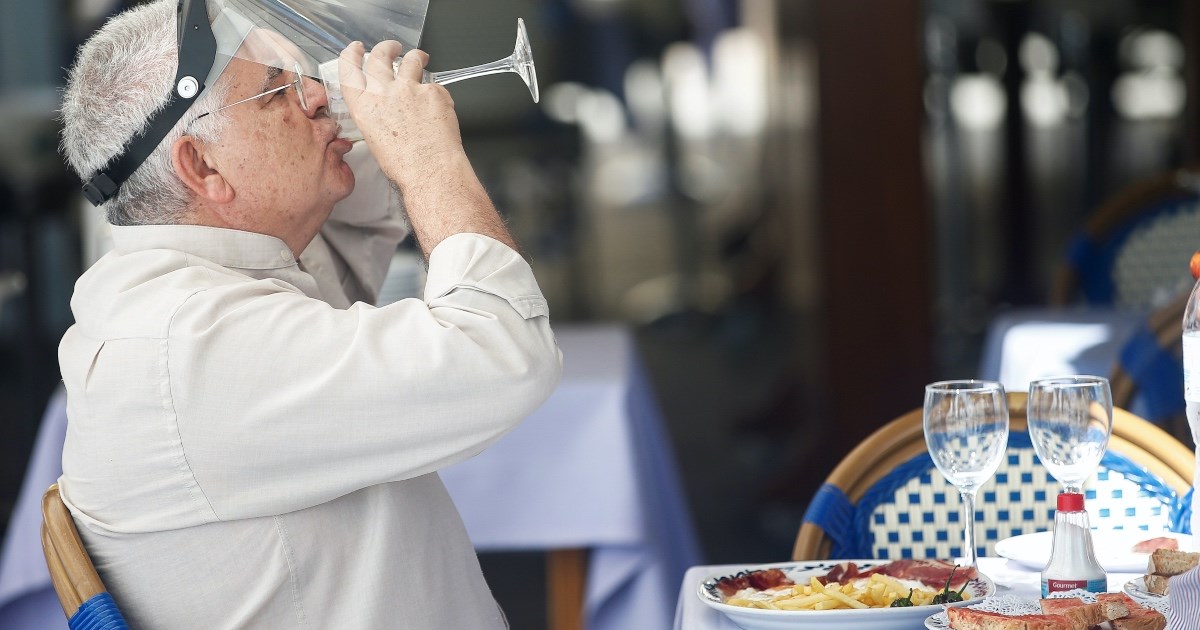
(1183, 600)
(349, 258)
(283, 402)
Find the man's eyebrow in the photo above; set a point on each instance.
(272, 74)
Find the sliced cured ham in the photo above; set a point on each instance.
(759, 580)
(931, 572)
(1147, 546)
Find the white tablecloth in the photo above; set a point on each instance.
(1010, 578)
(591, 468)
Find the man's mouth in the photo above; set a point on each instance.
(339, 144)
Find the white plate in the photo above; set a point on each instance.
(859, 619)
(1113, 549)
(1136, 588)
(1013, 605)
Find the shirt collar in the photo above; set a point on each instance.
(228, 248)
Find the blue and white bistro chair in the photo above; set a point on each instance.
(887, 500)
(84, 598)
(1148, 374)
(1133, 251)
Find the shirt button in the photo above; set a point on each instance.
(285, 255)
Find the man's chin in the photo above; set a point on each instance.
(344, 187)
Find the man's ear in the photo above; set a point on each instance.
(192, 165)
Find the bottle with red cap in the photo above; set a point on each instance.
(1072, 562)
(1191, 376)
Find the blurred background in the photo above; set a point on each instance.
(804, 209)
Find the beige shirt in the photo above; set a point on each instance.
(242, 454)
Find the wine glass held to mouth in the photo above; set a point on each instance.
(520, 62)
(316, 33)
(966, 430)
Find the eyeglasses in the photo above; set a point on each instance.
(298, 84)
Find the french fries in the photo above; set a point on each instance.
(878, 591)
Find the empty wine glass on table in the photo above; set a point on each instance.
(966, 430)
(1070, 420)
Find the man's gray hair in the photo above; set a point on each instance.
(121, 77)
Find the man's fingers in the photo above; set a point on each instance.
(413, 65)
(350, 70)
(379, 63)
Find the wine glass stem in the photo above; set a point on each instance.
(445, 77)
(968, 506)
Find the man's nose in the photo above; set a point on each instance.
(314, 93)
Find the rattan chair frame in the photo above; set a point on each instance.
(71, 570)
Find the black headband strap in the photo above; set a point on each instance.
(197, 50)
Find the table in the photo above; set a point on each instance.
(592, 468)
(1010, 578)
(1027, 344)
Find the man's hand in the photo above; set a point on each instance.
(412, 130)
(409, 125)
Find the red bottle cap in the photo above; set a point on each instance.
(1070, 502)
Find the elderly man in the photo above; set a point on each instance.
(251, 444)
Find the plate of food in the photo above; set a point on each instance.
(1162, 566)
(1061, 611)
(1117, 551)
(1136, 588)
(861, 594)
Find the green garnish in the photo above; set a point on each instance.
(903, 601)
(948, 596)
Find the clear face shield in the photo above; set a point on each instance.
(318, 31)
(308, 36)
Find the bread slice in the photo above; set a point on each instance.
(1087, 614)
(1171, 561)
(1165, 563)
(969, 619)
(1129, 602)
(1139, 617)
(1144, 619)
(1156, 583)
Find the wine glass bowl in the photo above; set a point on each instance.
(1070, 421)
(966, 430)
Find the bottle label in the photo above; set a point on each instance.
(1191, 368)
(1052, 585)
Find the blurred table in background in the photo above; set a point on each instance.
(592, 469)
(1027, 344)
